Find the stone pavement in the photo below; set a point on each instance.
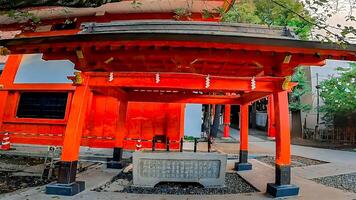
(340, 162)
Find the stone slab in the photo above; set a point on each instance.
(151, 168)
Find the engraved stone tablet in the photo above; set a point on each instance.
(150, 168)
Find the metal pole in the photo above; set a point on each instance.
(317, 106)
(195, 144)
(181, 144)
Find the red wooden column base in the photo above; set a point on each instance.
(116, 161)
(243, 164)
(67, 185)
(227, 114)
(282, 186)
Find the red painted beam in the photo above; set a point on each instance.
(39, 87)
(182, 98)
(253, 96)
(181, 81)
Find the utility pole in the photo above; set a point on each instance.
(317, 105)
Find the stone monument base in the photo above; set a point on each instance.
(151, 168)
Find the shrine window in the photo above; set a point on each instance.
(49, 105)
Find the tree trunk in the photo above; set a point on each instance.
(216, 122)
(296, 124)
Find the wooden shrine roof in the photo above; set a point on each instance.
(184, 47)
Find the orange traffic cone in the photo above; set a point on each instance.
(5, 144)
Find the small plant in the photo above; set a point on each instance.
(206, 14)
(220, 11)
(182, 14)
(20, 16)
(136, 4)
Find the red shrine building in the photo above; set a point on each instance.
(136, 68)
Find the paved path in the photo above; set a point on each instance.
(340, 162)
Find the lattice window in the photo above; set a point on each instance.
(42, 105)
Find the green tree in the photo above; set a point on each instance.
(302, 16)
(339, 93)
(242, 12)
(301, 89)
(295, 104)
(271, 14)
(268, 13)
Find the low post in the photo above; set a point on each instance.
(167, 144)
(181, 145)
(209, 144)
(154, 144)
(195, 144)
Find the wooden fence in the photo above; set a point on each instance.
(345, 135)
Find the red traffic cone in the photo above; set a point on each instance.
(138, 145)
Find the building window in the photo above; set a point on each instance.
(48, 105)
(2, 65)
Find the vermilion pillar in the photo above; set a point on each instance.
(67, 185)
(120, 134)
(7, 79)
(243, 156)
(227, 114)
(282, 186)
(271, 118)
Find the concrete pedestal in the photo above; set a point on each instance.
(116, 161)
(111, 164)
(243, 166)
(65, 189)
(282, 190)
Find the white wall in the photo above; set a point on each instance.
(193, 120)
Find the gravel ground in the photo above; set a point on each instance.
(12, 165)
(9, 183)
(346, 182)
(19, 160)
(123, 183)
(297, 161)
